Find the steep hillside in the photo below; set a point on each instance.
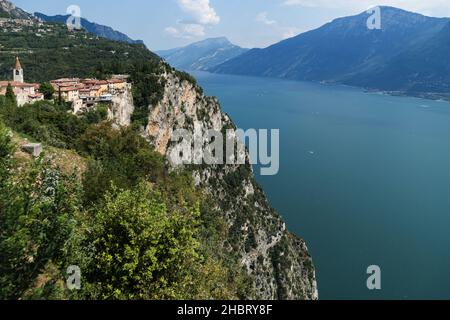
(92, 27)
(346, 51)
(202, 55)
(240, 232)
(421, 70)
(10, 11)
(46, 49)
(277, 261)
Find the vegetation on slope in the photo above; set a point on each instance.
(46, 56)
(135, 230)
(51, 51)
(164, 243)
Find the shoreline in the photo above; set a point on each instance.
(432, 96)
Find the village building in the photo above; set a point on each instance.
(85, 94)
(25, 92)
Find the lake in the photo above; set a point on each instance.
(364, 179)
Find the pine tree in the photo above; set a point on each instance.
(10, 96)
(47, 90)
(60, 99)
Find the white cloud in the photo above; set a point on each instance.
(281, 31)
(200, 11)
(262, 17)
(195, 30)
(171, 30)
(290, 32)
(200, 15)
(423, 6)
(186, 31)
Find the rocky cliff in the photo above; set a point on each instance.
(9, 10)
(277, 262)
(122, 108)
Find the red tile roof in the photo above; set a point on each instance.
(67, 89)
(16, 84)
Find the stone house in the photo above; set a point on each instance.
(25, 92)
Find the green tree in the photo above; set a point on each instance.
(144, 240)
(60, 99)
(10, 96)
(6, 150)
(50, 123)
(119, 156)
(47, 90)
(141, 250)
(38, 208)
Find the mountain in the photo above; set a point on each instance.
(55, 52)
(202, 55)
(422, 70)
(242, 244)
(9, 10)
(406, 55)
(94, 28)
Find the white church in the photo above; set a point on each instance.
(25, 92)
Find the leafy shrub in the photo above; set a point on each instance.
(38, 209)
(142, 251)
(121, 157)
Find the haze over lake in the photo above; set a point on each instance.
(364, 178)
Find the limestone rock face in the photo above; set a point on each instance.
(122, 108)
(9, 10)
(277, 261)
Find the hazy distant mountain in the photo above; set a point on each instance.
(94, 28)
(202, 55)
(9, 10)
(423, 68)
(409, 54)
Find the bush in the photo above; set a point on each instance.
(38, 212)
(142, 251)
(47, 90)
(50, 123)
(121, 156)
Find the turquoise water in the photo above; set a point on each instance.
(364, 178)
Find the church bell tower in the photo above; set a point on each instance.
(18, 72)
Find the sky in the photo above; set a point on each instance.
(165, 24)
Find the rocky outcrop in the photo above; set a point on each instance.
(122, 108)
(9, 10)
(277, 262)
